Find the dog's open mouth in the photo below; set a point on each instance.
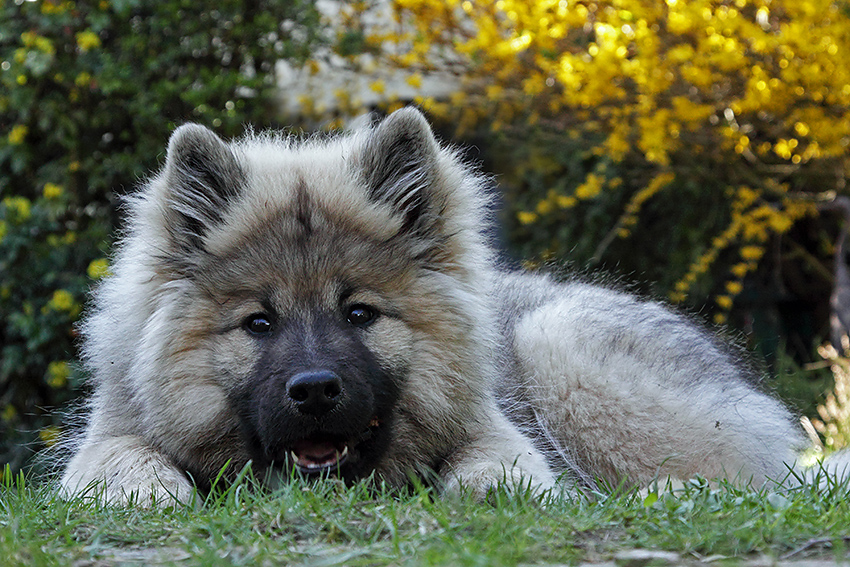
(321, 453)
(318, 455)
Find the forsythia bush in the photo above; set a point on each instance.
(674, 140)
(89, 93)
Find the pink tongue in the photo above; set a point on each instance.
(315, 451)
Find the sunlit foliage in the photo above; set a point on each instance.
(736, 107)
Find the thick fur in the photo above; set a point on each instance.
(360, 261)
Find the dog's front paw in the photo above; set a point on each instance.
(122, 471)
(164, 488)
(481, 467)
(479, 479)
(498, 456)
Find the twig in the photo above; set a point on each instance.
(606, 242)
(824, 541)
(797, 251)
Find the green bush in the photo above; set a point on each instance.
(89, 93)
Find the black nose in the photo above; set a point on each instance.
(315, 391)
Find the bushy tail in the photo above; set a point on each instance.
(830, 474)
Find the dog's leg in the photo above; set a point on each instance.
(497, 454)
(125, 469)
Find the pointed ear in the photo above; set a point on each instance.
(399, 161)
(202, 177)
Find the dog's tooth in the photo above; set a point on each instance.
(344, 453)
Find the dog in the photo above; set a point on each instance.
(333, 306)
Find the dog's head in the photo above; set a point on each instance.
(329, 290)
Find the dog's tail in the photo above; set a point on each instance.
(832, 473)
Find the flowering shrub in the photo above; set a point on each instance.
(834, 412)
(674, 139)
(89, 92)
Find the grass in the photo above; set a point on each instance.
(329, 524)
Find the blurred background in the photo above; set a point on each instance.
(694, 152)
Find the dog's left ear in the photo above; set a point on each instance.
(399, 163)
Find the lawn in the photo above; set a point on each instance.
(329, 524)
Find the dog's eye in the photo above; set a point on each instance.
(258, 324)
(361, 315)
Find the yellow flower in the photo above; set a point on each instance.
(49, 435)
(566, 202)
(526, 217)
(723, 301)
(87, 40)
(17, 134)
(734, 288)
(752, 252)
(53, 7)
(32, 40)
(58, 373)
(544, 207)
(9, 413)
(677, 297)
(62, 300)
(379, 86)
(739, 270)
(98, 269)
(780, 222)
(83, 79)
(20, 206)
(591, 187)
(52, 191)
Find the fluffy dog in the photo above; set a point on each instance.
(332, 306)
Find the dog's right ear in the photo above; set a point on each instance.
(202, 177)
